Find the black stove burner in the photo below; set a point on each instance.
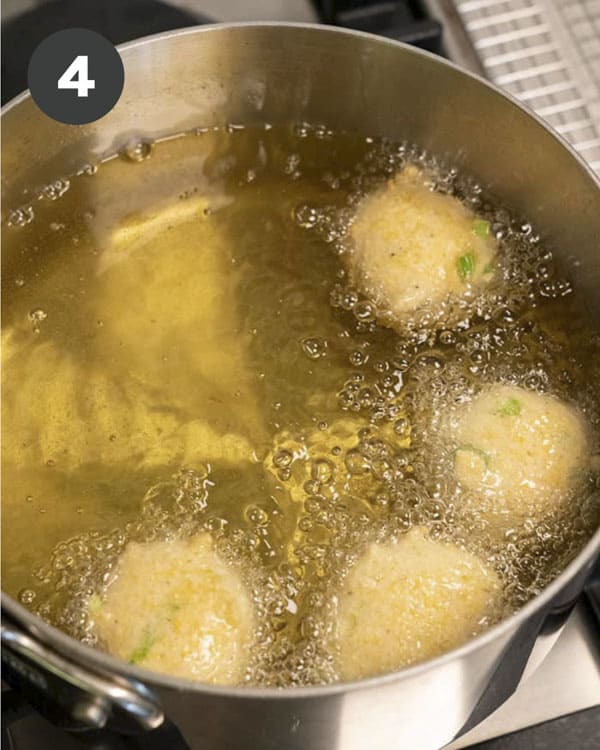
(117, 20)
(403, 20)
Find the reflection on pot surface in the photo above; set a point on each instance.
(256, 378)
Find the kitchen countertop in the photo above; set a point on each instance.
(580, 731)
(566, 684)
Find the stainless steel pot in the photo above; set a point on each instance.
(281, 73)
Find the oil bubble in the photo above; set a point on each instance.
(26, 596)
(55, 190)
(282, 459)
(20, 217)
(323, 471)
(88, 169)
(256, 515)
(364, 311)
(356, 463)
(137, 151)
(314, 347)
(358, 358)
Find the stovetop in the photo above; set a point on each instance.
(520, 44)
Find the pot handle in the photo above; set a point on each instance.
(71, 695)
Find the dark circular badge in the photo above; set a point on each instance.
(75, 76)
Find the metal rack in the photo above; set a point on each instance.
(546, 53)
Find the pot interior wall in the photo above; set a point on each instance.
(282, 74)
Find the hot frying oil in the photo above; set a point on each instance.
(183, 351)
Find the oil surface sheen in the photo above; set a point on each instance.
(183, 351)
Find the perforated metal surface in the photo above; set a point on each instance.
(546, 53)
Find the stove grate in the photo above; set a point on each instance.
(546, 53)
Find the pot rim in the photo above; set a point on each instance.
(104, 662)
